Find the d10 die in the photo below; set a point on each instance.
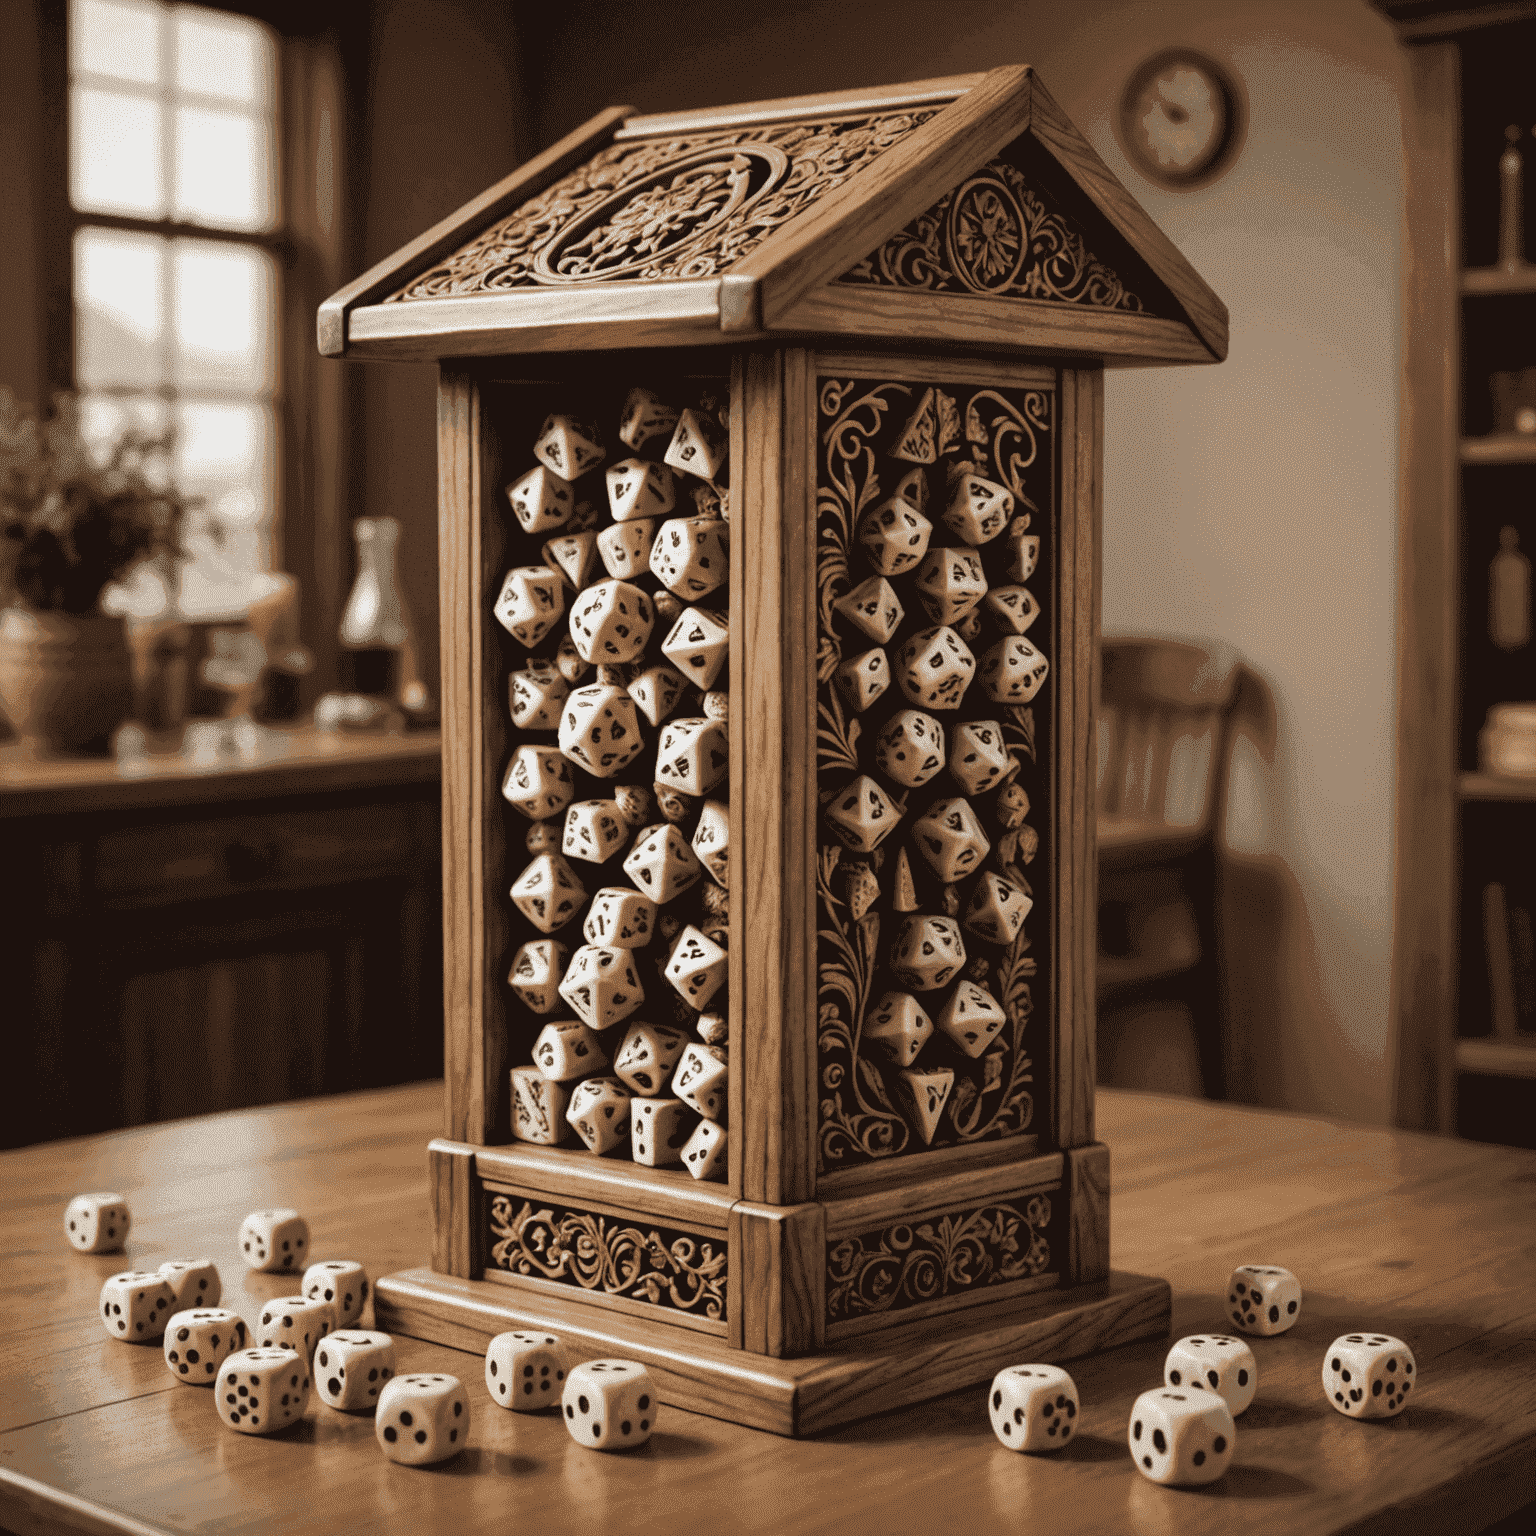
(637, 489)
(534, 696)
(697, 645)
(599, 730)
(656, 691)
(934, 668)
(610, 1405)
(611, 622)
(599, 1114)
(1033, 1407)
(1012, 609)
(928, 951)
(602, 985)
(97, 1223)
(971, 1018)
(950, 583)
(136, 1305)
(538, 1108)
(950, 838)
(910, 748)
(1013, 671)
(569, 447)
(645, 416)
(873, 608)
(923, 1093)
(996, 910)
(697, 967)
(352, 1368)
(704, 1153)
(542, 499)
(898, 1028)
(274, 1240)
(699, 446)
(524, 1371)
(894, 536)
(573, 555)
(658, 1131)
(693, 754)
(712, 842)
(548, 892)
(978, 760)
(862, 679)
(263, 1390)
(662, 864)
(647, 1056)
(620, 917)
(595, 830)
(531, 603)
(1214, 1362)
(341, 1282)
(422, 1419)
(1263, 1299)
(1181, 1439)
(625, 548)
(193, 1282)
(568, 1050)
(1368, 1375)
(294, 1322)
(978, 509)
(538, 782)
(198, 1341)
(701, 1079)
(535, 975)
(690, 557)
(863, 815)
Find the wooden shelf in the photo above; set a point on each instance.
(1504, 448)
(1495, 786)
(1492, 282)
(1497, 1058)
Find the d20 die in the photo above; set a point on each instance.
(538, 1108)
(261, 1391)
(978, 509)
(625, 548)
(950, 838)
(602, 985)
(978, 759)
(863, 815)
(873, 609)
(569, 447)
(199, 1340)
(193, 1282)
(611, 622)
(535, 975)
(971, 1018)
(1263, 1299)
(934, 668)
(341, 1282)
(950, 583)
(693, 754)
(568, 1050)
(697, 645)
(894, 536)
(656, 691)
(274, 1240)
(701, 1079)
(136, 1305)
(697, 967)
(897, 1027)
(1013, 671)
(923, 1093)
(1214, 1362)
(1181, 1439)
(862, 679)
(621, 917)
(610, 1405)
(535, 695)
(704, 1153)
(599, 1114)
(422, 1419)
(573, 555)
(1023, 555)
(910, 748)
(1368, 1375)
(599, 730)
(294, 1322)
(352, 1367)
(662, 864)
(658, 1131)
(542, 499)
(530, 605)
(928, 951)
(548, 893)
(1012, 609)
(595, 830)
(699, 446)
(996, 910)
(524, 1371)
(1033, 1407)
(647, 1056)
(98, 1222)
(639, 489)
(644, 416)
(712, 842)
(538, 782)
(690, 557)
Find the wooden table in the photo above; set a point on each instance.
(1432, 1240)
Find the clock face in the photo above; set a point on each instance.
(1178, 119)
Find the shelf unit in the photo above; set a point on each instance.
(1459, 828)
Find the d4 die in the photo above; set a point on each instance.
(199, 1340)
(343, 1283)
(538, 1108)
(1033, 1407)
(352, 1367)
(294, 1322)
(535, 975)
(567, 1051)
(658, 1131)
(1214, 1362)
(274, 1240)
(599, 1114)
(531, 603)
(548, 893)
(193, 1282)
(422, 1419)
(610, 1405)
(569, 447)
(647, 1056)
(524, 1371)
(662, 864)
(1181, 1439)
(1263, 1298)
(1369, 1375)
(261, 1391)
(923, 1093)
(573, 555)
(97, 1223)
(697, 967)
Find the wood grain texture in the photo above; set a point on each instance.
(1088, 1213)
(780, 1253)
(936, 1163)
(912, 368)
(967, 1187)
(1424, 958)
(458, 1209)
(660, 1322)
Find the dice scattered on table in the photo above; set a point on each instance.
(261, 1391)
(1263, 1299)
(1033, 1407)
(352, 1368)
(193, 1282)
(341, 1282)
(1182, 1439)
(199, 1340)
(135, 1306)
(1369, 1375)
(97, 1223)
(1217, 1362)
(274, 1240)
(610, 1405)
(524, 1371)
(422, 1419)
(295, 1322)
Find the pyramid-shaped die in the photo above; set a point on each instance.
(620, 916)
(600, 731)
(1013, 671)
(996, 910)
(645, 416)
(712, 841)
(873, 608)
(697, 644)
(950, 583)
(702, 1077)
(548, 893)
(922, 1093)
(647, 1056)
(602, 985)
(538, 782)
(704, 1153)
(567, 1051)
(897, 1027)
(656, 691)
(625, 548)
(934, 668)
(538, 1108)
(542, 499)
(599, 1114)
(662, 864)
(535, 975)
(894, 536)
(863, 815)
(690, 557)
(261, 1391)
(699, 446)
(535, 696)
(978, 509)
(574, 556)
(693, 755)
(594, 830)
(531, 602)
(524, 1370)
(978, 759)
(696, 968)
(932, 428)
(971, 1018)
(658, 1131)
(639, 489)
(569, 447)
(1011, 608)
(927, 953)
(862, 679)
(611, 622)
(950, 838)
(910, 748)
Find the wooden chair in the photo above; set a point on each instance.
(1164, 746)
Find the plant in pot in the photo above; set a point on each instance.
(73, 520)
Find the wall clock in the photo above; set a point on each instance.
(1180, 119)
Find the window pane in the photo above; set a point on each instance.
(115, 154)
(117, 38)
(223, 453)
(119, 309)
(222, 302)
(223, 169)
(227, 56)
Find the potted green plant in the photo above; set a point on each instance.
(73, 520)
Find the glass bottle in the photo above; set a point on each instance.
(374, 625)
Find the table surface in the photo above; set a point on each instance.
(1432, 1240)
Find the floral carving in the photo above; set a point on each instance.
(667, 1269)
(901, 1266)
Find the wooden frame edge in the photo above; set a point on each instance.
(458, 1210)
(1087, 1187)
(779, 1254)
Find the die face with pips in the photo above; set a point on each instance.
(97, 1222)
(1369, 1375)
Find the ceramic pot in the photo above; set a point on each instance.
(66, 679)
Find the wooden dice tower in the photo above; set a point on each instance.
(910, 277)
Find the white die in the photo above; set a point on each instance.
(997, 909)
(978, 509)
(1033, 1407)
(620, 916)
(531, 603)
(352, 1368)
(548, 893)
(658, 1131)
(625, 548)
(978, 760)
(1181, 1439)
(538, 1108)
(611, 622)
(872, 608)
(294, 1322)
(569, 447)
(199, 1340)
(693, 754)
(538, 782)
(1013, 671)
(712, 841)
(534, 696)
(704, 1153)
(599, 730)
(422, 1419)
(1012, 609)
(699, 446)
(971, 1018)
(97, 1223)
(341, 1282)
(702, 1079)
(599, 1114)
(697, 967)
(1369, 1375)
(541, 500)
(656, 691)
(535, 975)
(690, 557)
(647, 1056)
(573, 555)
(645, 416)
(863, 815)
(610, 1405)
(637, 489)
(924, 1092)
(193, 1282)
(524, 1371)
(1215, 1362)
(862, 679)
(602, 985)
(567, 1051)
(894, 536)
(274, 1240)
(910, 748)
(595, 830)
(697, 644)
(263, 1390)
(662, 864)
(935, 667)
(1263, 1299)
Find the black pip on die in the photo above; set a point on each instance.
(1369, 1375)
(1263, 1299)
(1033, 1407)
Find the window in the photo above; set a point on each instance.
(176, 238)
